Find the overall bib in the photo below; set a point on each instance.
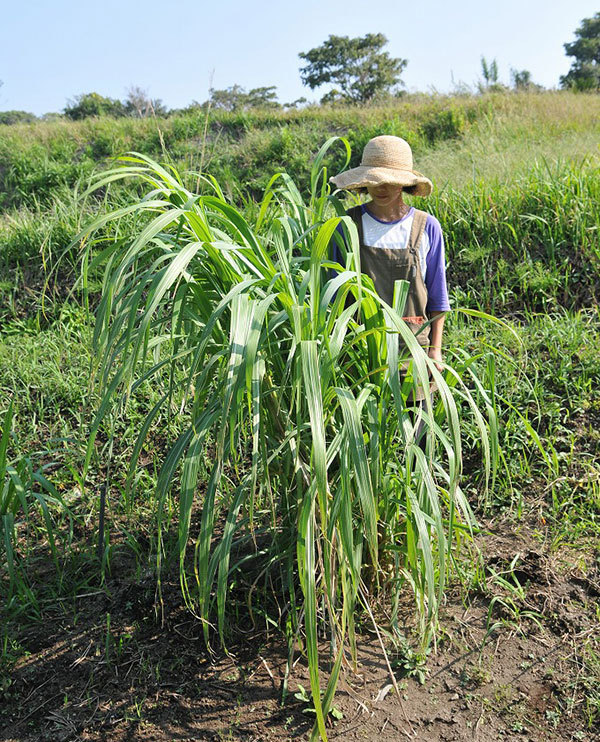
(385, 265)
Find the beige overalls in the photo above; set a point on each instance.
(385, 265)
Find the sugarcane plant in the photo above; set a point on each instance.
(286, 367)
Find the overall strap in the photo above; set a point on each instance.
(418, 227)
(356, 213)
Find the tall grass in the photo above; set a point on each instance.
(298, 417)
(527, 246)
(28, 502)
(513, 134)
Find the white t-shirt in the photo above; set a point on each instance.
(394, 235)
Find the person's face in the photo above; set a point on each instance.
(385, 194)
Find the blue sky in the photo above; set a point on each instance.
(175, 49)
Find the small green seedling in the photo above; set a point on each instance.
(303, 695)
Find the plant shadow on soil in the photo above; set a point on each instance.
(109, 670)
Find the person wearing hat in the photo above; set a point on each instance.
(398, 241)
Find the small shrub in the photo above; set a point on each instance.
(443, 124)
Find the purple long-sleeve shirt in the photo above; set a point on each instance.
(395, 235)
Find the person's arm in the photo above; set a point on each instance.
(435, 338)
(437, 290)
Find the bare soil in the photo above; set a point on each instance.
(507, 666)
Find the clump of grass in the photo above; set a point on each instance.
(527, 246)
(28, 501)
(293, 379)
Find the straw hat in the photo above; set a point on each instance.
(385, 159)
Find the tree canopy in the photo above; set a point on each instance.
(235, 98)
(521, 80)
(585, 50)
(489, 70)
(93, 104)
(357, 68)
(17, 117)
(137, 104)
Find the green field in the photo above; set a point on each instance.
(517, 192)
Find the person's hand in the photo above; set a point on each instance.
(436, 355)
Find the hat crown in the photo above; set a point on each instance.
(387, 151)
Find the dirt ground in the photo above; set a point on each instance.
(126, 678)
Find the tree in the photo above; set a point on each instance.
(92, 104)
(17, 117)
(298, 103)
(228, 99)
(265, 97)
(136, 104)
(357, 68)
(585, 50)
(235, 98)
(489, 72)
(521, 80)
(139, 104)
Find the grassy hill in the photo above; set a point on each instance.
(519, 171)
(459, 139)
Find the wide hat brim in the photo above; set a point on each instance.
(366, 175)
